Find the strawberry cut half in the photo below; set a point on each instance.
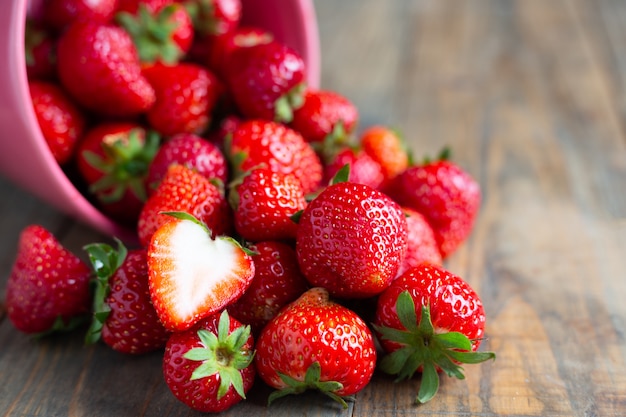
(191, 274)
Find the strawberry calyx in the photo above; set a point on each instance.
(124, 166)
(445, 154)
(152, 34)
(105, 260)
(288, 102)
(311, 382)
(423, 347)
(223, 354)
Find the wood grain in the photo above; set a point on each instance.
(531, 96)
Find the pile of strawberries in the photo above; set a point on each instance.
(268, 226)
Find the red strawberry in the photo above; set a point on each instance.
(363, 169)
(263, 204)
(430, 319)
(183, 189)
(60, 120)
(324, 113)
(386, 147)
(445, 194)
(315, 343)
(256, 143)
(193, 275)
(209, 367)
(267, 80)
(48, 288)
(59, 14)
(192, 151)
(422, 246)
(124, 317)
(133, 6)
(186, 94)
(215, 17)
(277, 281)
(113, 159)
(40, 51)
(99, 66)
(351, 240)
(161, 33)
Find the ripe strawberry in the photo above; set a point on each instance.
(263, 204)
(99, 66)
(267, 80)
(40, 51)
(386, 147)
(192, 151)
(183, 189)
(193, 275)
(351, 240)
(209, 367)
(186, 94)
(214, 17)
(429, 319)
(277, 281)
(315, 343)
(324, 113)
(256, 143)
(59, 14)
(445, 194)
(161, 33)
(422, 246)
(133, 6)
(113, 159)
(363, 169)
(124, 317)
(48, 288)
(61, 122)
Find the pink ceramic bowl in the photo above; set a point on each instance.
(24, 155)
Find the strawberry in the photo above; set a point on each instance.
(124, 317)
(133, 6)
(422, 246)
(429, 319)
(192, 151)
(445, 194)
(351, 240)
(48, 288)
(386, 147)
(315, 343)
(267, 80)
(186, 94)
(363, 169)
(113, 159)
(99, 66)
(193, 275)
(323, 113)
(215, 17)
(61, 122)
(277, 282)
(256, 143)
(209, 366)
(161, 33)
(59, 14)
(183, 189)
(39, 52)
(263, 204)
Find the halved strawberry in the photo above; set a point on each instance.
(193, 275)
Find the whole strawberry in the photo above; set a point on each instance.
(193, 275)
(256, 143)
(315, 343)
(277, 281)
(124, 317)
(59, 14)
(39, 51)
(99, 66)
(352, 240)
(422, 246)
(48, 288)
(363, 168)
(60, 120)
(445, 194)
(267, 80)
(428, 320)
(183, 189)
(385, 146)
(186, 94)
(264, 202)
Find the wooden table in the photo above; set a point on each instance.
(531, 96)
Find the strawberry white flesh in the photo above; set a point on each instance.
(192, 275)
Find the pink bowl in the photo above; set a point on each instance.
(24, 155)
